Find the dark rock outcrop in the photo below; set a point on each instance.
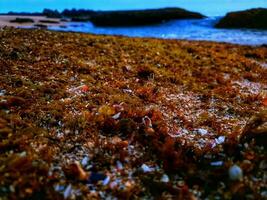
(141, 17)
(252, 18)
(22, 20)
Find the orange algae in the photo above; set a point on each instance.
(86, 116)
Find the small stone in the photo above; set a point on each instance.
(216, 163)
(263, 165)
(127, 91)
(235, 173)
(165, 178)
(59, 188)
(116, 116)
(23, 154)
(106, 180)
(146, 168)
(67, 192)
(220, 140)
(202, 131)
(119, 165)
(85, 161)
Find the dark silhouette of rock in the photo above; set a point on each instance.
(22, 20)
(141, 17)
(25, 13)
(49, 21)
(51, 13)
(252, 18)
(41, 26)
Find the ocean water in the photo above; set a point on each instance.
(196, 29)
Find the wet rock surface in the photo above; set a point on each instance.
(85, 116)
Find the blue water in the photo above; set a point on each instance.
(179, 29)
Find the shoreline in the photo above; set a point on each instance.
(5, 21)
(204, 30)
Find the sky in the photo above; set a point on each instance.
(206, 7)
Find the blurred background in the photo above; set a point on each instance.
(190, 29)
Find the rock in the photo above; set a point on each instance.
(49, 21)
(235, 173)
(119, 165)
(67, 192)
(252, 18)
(216, 163)
(202, 131)
(22, 20)
(141, 17)
(41, 26)
(165, 178)
(85, 161)
(146, 168)
(116, 116)
(220, 140)
(106, 180)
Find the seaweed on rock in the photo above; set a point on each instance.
(87, 116)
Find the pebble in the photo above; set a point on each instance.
(127, 91)
(146, 168)
(59, 188)
(116, 116)
(216, 163)
(106, 180)
(85, 161)
(165, 178)
(119, 165)
(67, 192)
(2, 92)
(202, 131)
(235, 173)
(220, 140)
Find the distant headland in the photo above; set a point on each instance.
(118, 18)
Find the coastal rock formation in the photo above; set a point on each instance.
(141, 17)
(22, 20)
(253, 18)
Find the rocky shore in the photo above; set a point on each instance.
(141, 17)
(119, 18)
(29, 21)
(97, 117)
(252, 18)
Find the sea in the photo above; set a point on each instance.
(189, 29)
